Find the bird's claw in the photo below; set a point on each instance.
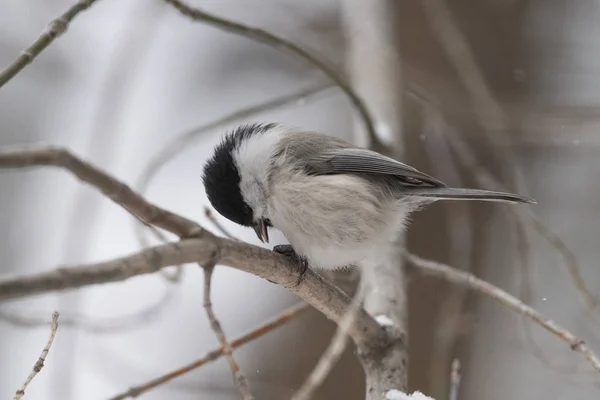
(289, 252)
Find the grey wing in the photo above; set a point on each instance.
(363, 161)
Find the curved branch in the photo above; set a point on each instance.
(97, 325)
(258, 261)
(240, 379)
(118, 192)
(55, 28)
(272, 40)
(39, 364)
(213, 355)
(458, 277)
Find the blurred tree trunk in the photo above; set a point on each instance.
(562, 77)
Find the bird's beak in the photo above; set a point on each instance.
(260, 227)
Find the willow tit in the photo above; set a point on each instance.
(337, 204)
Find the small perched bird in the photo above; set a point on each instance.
(337, 204)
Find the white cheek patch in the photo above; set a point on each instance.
(254, 195)
(253, 159)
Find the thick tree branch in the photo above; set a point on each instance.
(54, 29)
(311, 287)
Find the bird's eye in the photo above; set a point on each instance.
(268, 223)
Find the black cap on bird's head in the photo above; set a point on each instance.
(222, 180)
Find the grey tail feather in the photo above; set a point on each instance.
(466, 194)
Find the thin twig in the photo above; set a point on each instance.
(274, 41)
(467, 157)
(525, 291)
(495, 123)
(216, 326)
(569, 260)
(213, 355)
(526, 218)
(460, 55)
(213, 219)
(333, 352)
(54, 29)
(526, 295)
(469, 160)
(453, 275)
(39, 364)
(455, 376)
(240, 380)
(96, 325)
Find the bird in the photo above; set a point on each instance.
(337, 204)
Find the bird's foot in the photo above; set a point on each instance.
(289, 252)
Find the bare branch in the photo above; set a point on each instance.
(488, 110)
(213, 219)
(453, 275)
(213, 355)
(323, 295)
(455, 375)
(469, 159)
(274, 41)
(109, 186)
(96, 325)
(333, 352)
(240, 380)
(39, 364)
(525, 218)
(54, 29)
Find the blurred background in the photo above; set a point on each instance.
(130, 78)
